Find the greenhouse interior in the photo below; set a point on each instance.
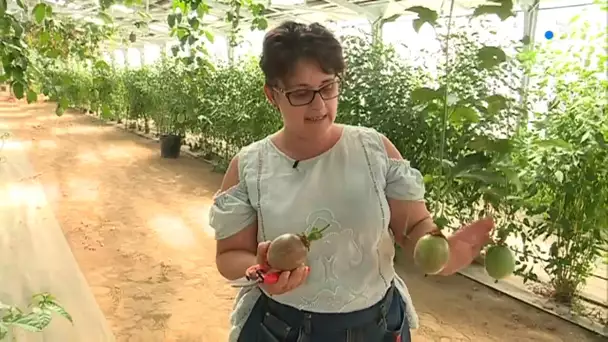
(127, 130)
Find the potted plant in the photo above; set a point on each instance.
(171, 135)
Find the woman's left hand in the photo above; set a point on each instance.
(466, 244)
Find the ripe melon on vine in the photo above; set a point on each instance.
(432, 253)
(290, 251)
(499, 261)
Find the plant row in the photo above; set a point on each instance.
(535, 158)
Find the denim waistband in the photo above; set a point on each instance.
(330, 321)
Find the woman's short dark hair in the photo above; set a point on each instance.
(289, 43)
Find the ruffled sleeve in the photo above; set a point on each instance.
(403, 182)
(231, 212)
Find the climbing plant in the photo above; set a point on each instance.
(42, 308)
(37, 30)
(186, 23)
(466, 161)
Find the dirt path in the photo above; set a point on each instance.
(137, 226)
(35, 257)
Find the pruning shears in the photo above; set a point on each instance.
(257, 274)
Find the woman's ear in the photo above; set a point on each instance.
(270, 96)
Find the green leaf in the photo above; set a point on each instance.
(39, 12)
(558, 143)
(31, 96)
(425, 15)
(202, 9)
(441, 222)
(21, 4)
(191, 40)
(391, 18)
(3, 7)
(194, 23)
(3, 330)
(484, 176)
(513, 178)
(44, 38)
(17, 28)
(102, 65)
(491, 56)
(209, 35)
(107, 19)
(18, 89)
(34, 321)
(181, 33)
(261, 23)
(496, 103)
(171, 20)
(501, 146)
(464, 114)
(425, 95)
(144, 15)
(503, 12)
(599, 138)
(473, 161)
(42, 297)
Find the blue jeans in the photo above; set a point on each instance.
(271, 321)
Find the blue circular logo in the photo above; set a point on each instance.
(549, 34)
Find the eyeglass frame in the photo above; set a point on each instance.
(286, 93)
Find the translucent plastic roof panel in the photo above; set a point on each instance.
(157, 31)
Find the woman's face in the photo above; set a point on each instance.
(305, 112)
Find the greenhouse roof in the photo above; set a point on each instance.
(157, 30)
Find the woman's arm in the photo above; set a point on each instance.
(238, 252)
(410, 220)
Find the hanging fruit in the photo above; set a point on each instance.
(432, 253)
(499, 261)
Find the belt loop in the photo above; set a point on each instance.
(305, 330)
(307, 324)
(386, 303)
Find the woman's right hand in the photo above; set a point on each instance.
(288, 280)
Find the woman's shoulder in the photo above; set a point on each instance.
(254, 147)
(248, 154)
(368, 136)
(360, 129)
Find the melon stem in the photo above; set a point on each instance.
(315, 234)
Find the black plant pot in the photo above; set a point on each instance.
(170, 146)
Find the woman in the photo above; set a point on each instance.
(315, 173)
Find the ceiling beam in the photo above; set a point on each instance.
(368, 13)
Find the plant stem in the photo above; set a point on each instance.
(324, 228)
(444, 120)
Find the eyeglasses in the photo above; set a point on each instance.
(304, 97)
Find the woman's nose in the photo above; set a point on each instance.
(317, 102)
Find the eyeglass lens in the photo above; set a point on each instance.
(303, 97)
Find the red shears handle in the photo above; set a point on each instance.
(260, 273)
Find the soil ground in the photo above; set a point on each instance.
(137, 226)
